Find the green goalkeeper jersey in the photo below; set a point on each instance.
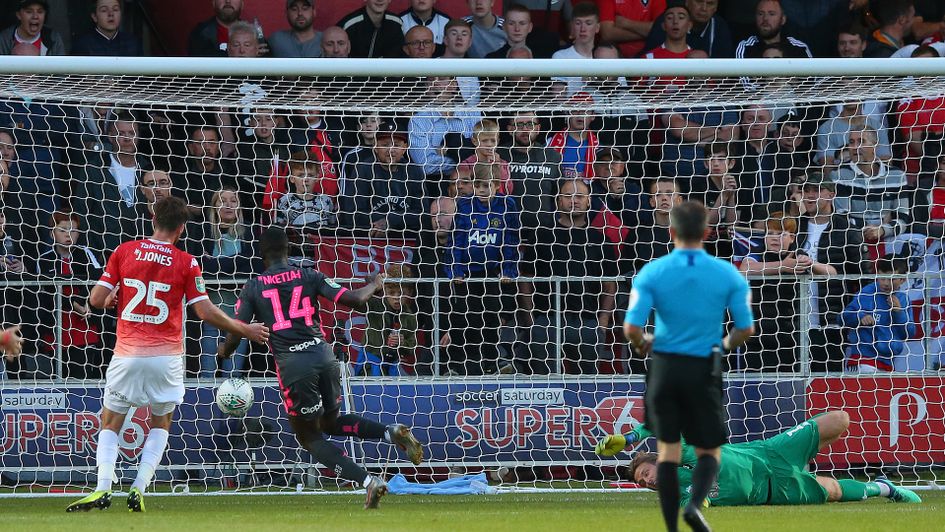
(744, 475)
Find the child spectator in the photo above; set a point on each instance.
(31, 29)
(308, 208)
(576, 143)
(485, 140)
(879, 319)
(80, 338)
(484, 244)
(391, 335)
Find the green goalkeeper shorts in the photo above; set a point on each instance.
(787, 455)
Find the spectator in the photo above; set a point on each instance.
(438, 136)
(483, 245)
(775, 297)
(261, 155)
(203, 171)
(16, 304)
(709, 32)
(311, 130)
(154, 186)
(211, 37)
(521, 33)
(301, 40)
(80, 329)
(627, 23)
(487, 33)
(769, 25)
(31, 29)
(335, 43)
(785, 155)
(755, 123)
(896, 18)
(851, 41)
(107, 39)
(457, 39)
(834, 239)
(12, 260)
(373, 30)
(676, 25)
(309, 208)
(368, 123)
(584, 29)
(879, 319)
(243, 41)
(688, 130)
(533, 168)
(871, 190)
(226, 251)
(390, 339)
(833, 135)
(430, 260)
(109, 187)
(720, 195)
(424, 13)
(929, 210)
(929, 24)
(550, 17)
(568, 247)
(577, 144)
(652, 235)
(485, 140)
(385, 196)
(419, 43)
(615, 203)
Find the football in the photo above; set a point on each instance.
(235, 396)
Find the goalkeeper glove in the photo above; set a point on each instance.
(611, 445)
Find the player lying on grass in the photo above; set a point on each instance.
(768, 471)
(309, 374)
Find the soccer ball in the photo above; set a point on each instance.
(235, 396)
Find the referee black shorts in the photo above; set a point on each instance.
(684, 397)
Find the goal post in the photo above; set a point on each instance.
(510, 203)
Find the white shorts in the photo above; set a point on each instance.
(157, 382)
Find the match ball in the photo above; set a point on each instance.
(234, 397)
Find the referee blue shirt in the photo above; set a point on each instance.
(690, 291)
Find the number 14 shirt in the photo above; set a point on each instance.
(285, 298)
(154, 280)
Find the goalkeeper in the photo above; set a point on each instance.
(768, 471)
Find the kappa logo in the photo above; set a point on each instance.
(483, 238)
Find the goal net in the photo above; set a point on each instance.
(510, 204)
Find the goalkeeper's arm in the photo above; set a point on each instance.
(616, 443)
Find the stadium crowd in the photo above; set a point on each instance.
(490, 199)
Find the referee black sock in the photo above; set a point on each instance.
(355, 425)
(667, 483)
(703, 476)
(325, 453)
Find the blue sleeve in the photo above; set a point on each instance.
(641, 299)
(420, 133)
(511, 241)
(851, 314)
(739, 301)
(458, 255)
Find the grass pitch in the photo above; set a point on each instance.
(575, 512)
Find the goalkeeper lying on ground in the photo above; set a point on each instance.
(768, 471)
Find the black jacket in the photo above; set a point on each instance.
(367, 40)
(373, 193)
(841, 246)
(203, 40)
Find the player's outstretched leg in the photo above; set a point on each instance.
(135, 500)
(309, 435)
(898, 493)
(367, 429)
(105, 456)
(150, 458)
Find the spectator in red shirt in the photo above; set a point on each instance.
(676, 24)
(918, 117)
(628, 22)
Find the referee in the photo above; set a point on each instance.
(689, 290)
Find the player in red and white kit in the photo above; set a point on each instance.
(149, 281)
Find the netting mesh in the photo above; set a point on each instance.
(510, 215)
